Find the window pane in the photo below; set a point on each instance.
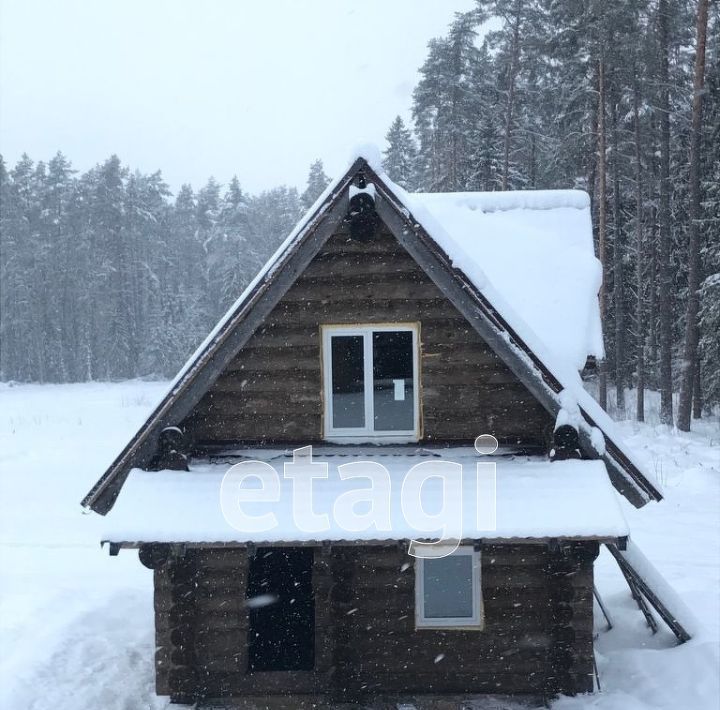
(448, 587)
(393, 388)
(348, 399)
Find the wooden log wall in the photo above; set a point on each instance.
(379, 650)
(272, 390)
(570, 574)
(537, 636)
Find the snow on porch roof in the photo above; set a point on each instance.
(536, 499)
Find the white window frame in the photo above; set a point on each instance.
(367, 434)
(476, 621)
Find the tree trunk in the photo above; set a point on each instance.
(639, 264)
(515, 57)
(652, 299)
(697, 395)
(664, 266)
(618, 276)
(602, 218)
(690, 355)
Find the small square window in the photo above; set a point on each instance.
(447, 589)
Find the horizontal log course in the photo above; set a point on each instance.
(272, 336)
(268, 383)
(487, 381)
(507, 433)
(217, 683)
(441, 682)
(255, 356)
(219, 620)
(342, 244)
(533, 556)
(183, 682)
(261, 428)
(226, 603)
(231, 405)
(395, 287)
(224, 560)
(223, 580)
(332, 265)
(448, 332)
(436, 661)
(400, 619)
(285, 360)
(219, 643)
(359, 310)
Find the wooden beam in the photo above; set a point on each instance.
(540, 541)
(639, 588)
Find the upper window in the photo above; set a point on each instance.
(371, 382)
(447, 590)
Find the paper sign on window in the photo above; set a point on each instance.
(399, 390)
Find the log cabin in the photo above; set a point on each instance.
(398, 330)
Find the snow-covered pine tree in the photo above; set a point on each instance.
(273, 214)
(239, 261)
(210, 237)
(400, 156)
(442, 109)
(317, 181)
(710, 230)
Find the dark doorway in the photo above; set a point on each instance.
(281, 636)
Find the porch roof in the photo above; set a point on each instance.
(536, 500)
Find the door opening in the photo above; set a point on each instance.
(281, 635)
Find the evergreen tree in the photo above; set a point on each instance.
(401, 155)
(240, 260)
(103, 276)
(317, 181)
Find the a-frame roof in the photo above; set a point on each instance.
(552, 380)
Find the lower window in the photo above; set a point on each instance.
(447, 589)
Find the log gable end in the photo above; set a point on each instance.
(272, 389)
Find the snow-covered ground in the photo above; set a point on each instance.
(76, 625)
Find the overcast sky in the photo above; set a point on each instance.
(259, 88)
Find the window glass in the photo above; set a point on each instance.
(348, 388)
(448, 587)
(393, 388)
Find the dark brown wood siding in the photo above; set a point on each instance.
(537, 637)
(272, 390)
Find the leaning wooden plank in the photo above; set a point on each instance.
(603, 608)
(640, 600)
(656, 590)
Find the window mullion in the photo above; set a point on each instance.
(368, 378)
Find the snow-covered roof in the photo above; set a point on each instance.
(533, 247)
(536, 499)
(495, 245)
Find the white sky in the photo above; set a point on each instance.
(259, 88)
